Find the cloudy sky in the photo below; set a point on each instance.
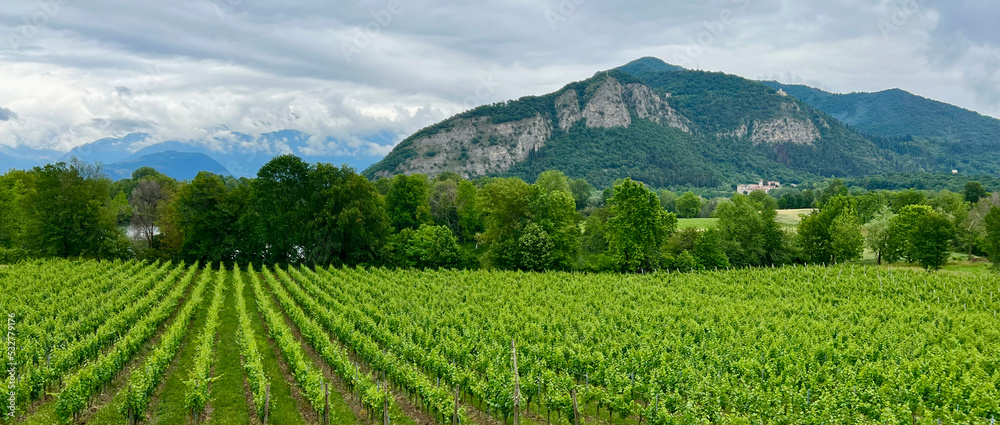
(73, 71)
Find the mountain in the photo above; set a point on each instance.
(653, 122)
(179, 165)
(23, 157)
(240, 153)
(946, 135)
(648, 64)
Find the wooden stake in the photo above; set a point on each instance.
(326, 404)
(267, 402)
(454, 417)
(385, 409)
(576, 410)
(517, 386)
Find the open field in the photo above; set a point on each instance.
(850, 344)
(697, 223)
(792, 218)
(786, 218)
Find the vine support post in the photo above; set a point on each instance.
(385, 410)
(326, 404)
(517, 386)
(576, 410)
(267, 403)
(454, 417)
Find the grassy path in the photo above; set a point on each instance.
(228, 405)
(283, 406)
(168, 403)
(340, 411)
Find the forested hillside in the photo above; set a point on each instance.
(654, 122)
(936, 134)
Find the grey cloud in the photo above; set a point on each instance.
(7, 114)
(193, 66)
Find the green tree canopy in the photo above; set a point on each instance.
(870, 204)
(906, 198)
(279, 206)
(832, 234)
(470, 215)
(207, 215)
(407, 202)
(930, 240)
(879, 236)
(751, 235)
(974, 191)
(71, 213)
(521, 219)
(349, 225)
(638, 227)
(992, 225)
(427, 247)
(689, 205)
(925, 235)
(708, 250)
(582, 192)
(553, 180)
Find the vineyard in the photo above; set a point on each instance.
(170, 343)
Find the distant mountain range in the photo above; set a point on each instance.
(944, 136)
(649, 120)
(240, 155)
(179, 165)
(668, 126)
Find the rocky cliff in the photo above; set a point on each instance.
(659, 124)
(479, 145)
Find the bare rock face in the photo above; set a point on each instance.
(648, 105)
(612, 104)
(739, 133)
(476, 147)
(784, 130)
(568, 110)
(606, 108)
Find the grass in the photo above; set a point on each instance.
(791, 218)
(168, 405)
(283, 408)
(227, 399)
(786, 218)
(697, 223)
(957, 263)
(340, 412)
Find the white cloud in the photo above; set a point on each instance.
(198, 69)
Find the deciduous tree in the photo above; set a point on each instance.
(751, 235)
(638, 227)
(147, 200)
(407, 202)
(688, 205)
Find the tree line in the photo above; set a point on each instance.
(294, 212)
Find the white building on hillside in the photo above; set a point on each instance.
(746, 189)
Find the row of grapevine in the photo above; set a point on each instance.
(146, 377)
(309, 379)
(44, 321)
(668, 348)
(487, 385)
(196, 396)
(250, 356)
(112, 324)
(372, 397)
(90, 378)
(438, 400)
